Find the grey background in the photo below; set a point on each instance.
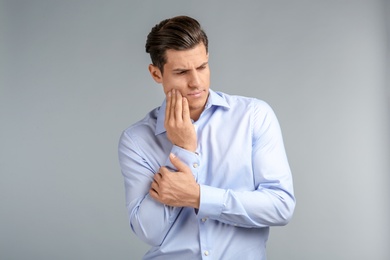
(73, 75)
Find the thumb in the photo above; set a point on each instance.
(180, 166)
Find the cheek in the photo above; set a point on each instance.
(173, 83)
(206, 77)
(167, 85)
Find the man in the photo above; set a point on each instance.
(205, 173)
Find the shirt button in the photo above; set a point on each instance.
(206, 253)
(195, 165)
(204, 219)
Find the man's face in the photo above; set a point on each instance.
(188, 72)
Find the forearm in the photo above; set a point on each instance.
(151, 220)
(259, 208)
(269, 204)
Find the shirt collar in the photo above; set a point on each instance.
(214, 99)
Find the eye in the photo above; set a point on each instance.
(202, 67)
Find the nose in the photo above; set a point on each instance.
(194, 80)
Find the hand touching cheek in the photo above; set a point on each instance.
(180, 130)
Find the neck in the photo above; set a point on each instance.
(195, 115)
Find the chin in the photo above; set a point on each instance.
(199, 105)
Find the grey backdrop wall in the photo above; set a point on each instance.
(73, 75)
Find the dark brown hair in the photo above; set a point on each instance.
(177, 33)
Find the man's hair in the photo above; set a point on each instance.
(177, 33)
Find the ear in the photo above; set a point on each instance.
(155, 73)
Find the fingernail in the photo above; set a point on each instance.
(172, 155)
(169, 93)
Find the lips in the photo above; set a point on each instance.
(195, 94)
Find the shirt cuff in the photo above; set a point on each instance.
(191, 159)
(211, 202)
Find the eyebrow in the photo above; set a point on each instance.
(183, 70)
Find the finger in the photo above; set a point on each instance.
(179, 106)
(186, 109)
(180, 166)
(157, 177)
(168, 105)
(153, 193)
(162, 170)
(173, 104)
(154, 186)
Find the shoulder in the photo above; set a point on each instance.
(259, 113)
(238, 101)
(144, 126)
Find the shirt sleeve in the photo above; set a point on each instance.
(149, 219)
(272, 202)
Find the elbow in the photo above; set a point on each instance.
(144, 226)
(150, 222)
(286, 211)
(286, 217)
(144, 231)
(147, 235)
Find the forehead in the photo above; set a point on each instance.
(185, 58)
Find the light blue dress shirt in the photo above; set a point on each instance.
(244, 176)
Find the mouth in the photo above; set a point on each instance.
(195, 94)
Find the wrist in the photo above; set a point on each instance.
(196, 202)
(190, 148)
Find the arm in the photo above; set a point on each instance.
(272, 201)
(149, 220)
(155, 196)
(169, 187)
(175, 188)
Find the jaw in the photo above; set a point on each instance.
(197, 106)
